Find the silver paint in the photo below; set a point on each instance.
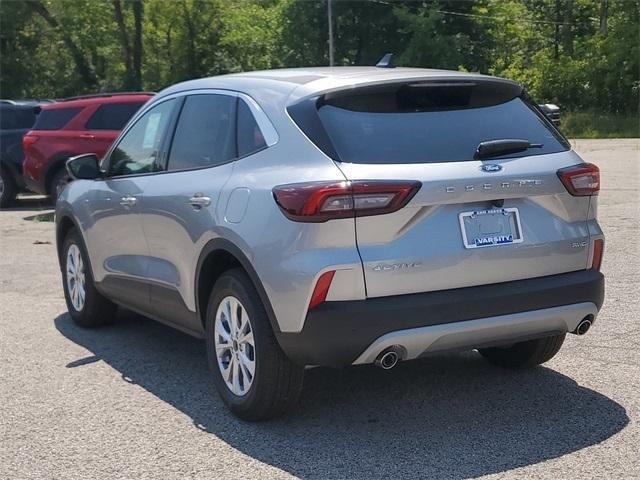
(159, 237)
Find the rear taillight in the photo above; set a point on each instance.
(322, 289)
(598, 251)
(581, 180)
(27, 142)
(322, 201)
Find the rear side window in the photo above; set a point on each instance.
(250, 138)
(205, 133)
(112, 116)
(55, 118)
(431, 123)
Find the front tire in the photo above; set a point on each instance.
(251, 372)
(524, 354)
(8, 188)
(87, 307)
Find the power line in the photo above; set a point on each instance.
(495, 17)
(476, 15)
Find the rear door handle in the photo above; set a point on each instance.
(87, 135)
(199, 200)
(128, 201)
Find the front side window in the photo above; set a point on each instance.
(205, 133)
(137, 152)
(112, 116)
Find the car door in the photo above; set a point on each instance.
(181, 206)
(117, 246)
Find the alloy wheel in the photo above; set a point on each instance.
(75, 277)
(235, 346)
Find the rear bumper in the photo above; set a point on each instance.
(343, 333)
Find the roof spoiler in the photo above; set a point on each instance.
(102, 95)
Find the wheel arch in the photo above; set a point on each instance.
(11, 168)
(54, 165)
(218, 256)
(65, 222)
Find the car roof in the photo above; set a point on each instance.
(22, 103)
(99, 99)
(296, 83)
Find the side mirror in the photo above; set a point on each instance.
(84, 167)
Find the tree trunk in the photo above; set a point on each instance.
(137, 44)
(85, 69)
(191, 46)
(124, 42)
(604, 16)
(556, 37)
(567, 28)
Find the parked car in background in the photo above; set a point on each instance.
(337, 216)
(16, 118)
(552, 112)
(71, 127)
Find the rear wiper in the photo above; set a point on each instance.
(494, 148)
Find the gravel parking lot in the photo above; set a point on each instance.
(134, 400)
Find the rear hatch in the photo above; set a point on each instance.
(476, 219)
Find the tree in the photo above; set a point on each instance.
(85, 69)
(131, 50)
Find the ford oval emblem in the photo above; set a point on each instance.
(491, 167)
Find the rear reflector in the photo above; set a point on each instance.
(321, 290)
(322, 201)
(581, 180)
(598, 251)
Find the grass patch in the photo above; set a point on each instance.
(599, 125)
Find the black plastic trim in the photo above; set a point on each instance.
(225, 245)
(336, 333)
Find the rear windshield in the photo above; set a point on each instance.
(17, 118)
(432, 123)
(112, 116)
(55, 118)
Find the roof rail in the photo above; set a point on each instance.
(104, 95)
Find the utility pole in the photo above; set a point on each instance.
(330, 18)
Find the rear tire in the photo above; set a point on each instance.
(524, 354)
(87, 307)
(8, 188)
(275, 384)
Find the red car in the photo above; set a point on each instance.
(87, 124)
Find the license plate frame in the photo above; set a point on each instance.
(492, 240)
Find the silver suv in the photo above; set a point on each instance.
(334, 217)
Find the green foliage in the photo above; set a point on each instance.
(581, 54)
(427, 45)
(251, 34)
(592, 124)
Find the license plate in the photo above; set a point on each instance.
(490, 228)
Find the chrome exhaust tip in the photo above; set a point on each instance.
(388, 358)
(583, 327)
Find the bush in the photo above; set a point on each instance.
(599, 125)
